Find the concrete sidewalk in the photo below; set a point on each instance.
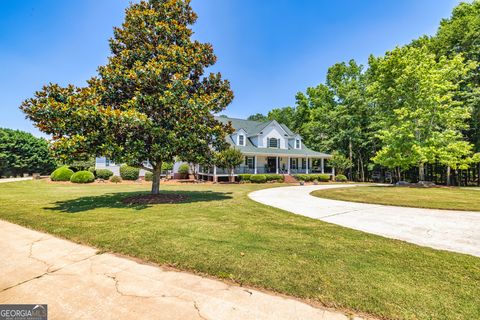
(457, 231)
(77, 282)
(5, 180)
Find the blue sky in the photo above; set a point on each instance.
(269, 49)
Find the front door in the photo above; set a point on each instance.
(271, 165)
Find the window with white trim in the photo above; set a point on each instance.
(250, 162)
(241, 140)
(297, 143)
(273, 143)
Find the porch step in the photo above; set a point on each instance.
(289, 178)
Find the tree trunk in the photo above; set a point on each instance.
(421, 172)
(350, 156)
(157, 171)
(232, 178)
(448, 176)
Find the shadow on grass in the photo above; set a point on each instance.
(114, 200)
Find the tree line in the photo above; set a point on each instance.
(411, 114)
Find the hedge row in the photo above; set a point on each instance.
(312, 177)
(260, 178)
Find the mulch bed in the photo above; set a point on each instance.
(155, 199)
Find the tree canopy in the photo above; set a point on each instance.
(417, 105)
(150, 102)
(21, 152)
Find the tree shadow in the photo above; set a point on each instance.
(114, 200)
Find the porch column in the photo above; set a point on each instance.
(333, 174)
(288, 165)
(276, 163)
(214, 173)
(307, 165)
(322, 165)
(255, 165)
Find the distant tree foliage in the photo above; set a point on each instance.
(21, 152)
(414, 111)
(258, 117)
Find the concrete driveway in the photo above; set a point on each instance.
(5, 180)
(78, 282)
(450, 230)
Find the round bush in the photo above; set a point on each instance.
(82, 177)
(148, 176)
(61, 174)
(104, 174)
(183, 169)
(244, 177)
(258, 178)
(341, 178)
(129, 173)
(115, 179)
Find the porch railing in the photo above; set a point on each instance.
(260, 170)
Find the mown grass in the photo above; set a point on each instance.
(221, 232)
(434, 198)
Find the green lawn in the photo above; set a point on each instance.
(435, 198)
(302, 257)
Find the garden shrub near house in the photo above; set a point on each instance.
(274, 177)
(82, 177)
(104, 174)
(115, 179)
(244, 177)
(148, 176)
(341, 178)
(184, 170)
(61, 174)
(129, 173)
(258, 178)
(312, 177)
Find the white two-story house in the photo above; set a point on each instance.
(268, 147)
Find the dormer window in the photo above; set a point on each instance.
(297, 144)
(273, 142)
(241, 140)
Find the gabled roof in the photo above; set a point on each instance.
(254, 128)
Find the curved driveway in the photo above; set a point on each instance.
(451, 230)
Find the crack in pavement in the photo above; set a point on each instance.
(48, 271)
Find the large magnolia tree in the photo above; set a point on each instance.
(150, 102)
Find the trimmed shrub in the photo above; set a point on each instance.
(92, 170)
(129, 173)
(104, 174)
(258, 178)
(184, 169)
(61, 174)
(323, 177)
(148, 176)
(244, 177)
(115, 179)
(341, 178)
(82, 177)
(312, 177)
(274, 177)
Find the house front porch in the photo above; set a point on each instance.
(270, 164)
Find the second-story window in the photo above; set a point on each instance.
(241, 140)
(297, 144)
(273, 143)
